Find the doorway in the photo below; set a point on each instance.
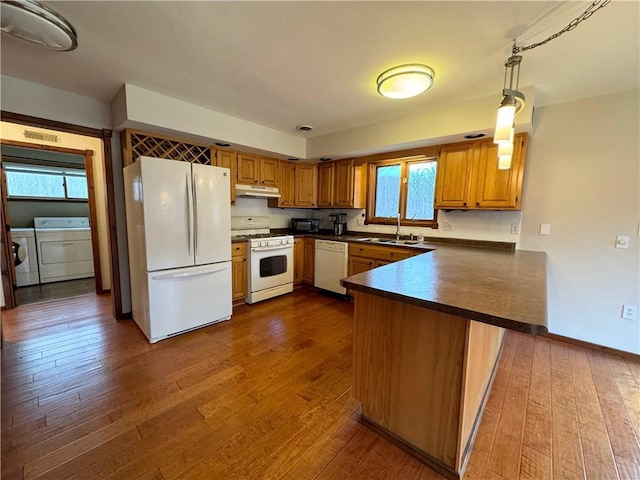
(41, 183)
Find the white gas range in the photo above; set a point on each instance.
(270, 258)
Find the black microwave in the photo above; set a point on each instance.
(310, 225)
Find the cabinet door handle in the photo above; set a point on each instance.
(477, 203)
(464, 204)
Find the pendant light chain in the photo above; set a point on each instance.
(593, 8)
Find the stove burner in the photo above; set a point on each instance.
(259, 235)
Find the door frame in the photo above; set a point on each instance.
(93, 218)
(105, 135)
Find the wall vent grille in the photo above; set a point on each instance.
(44, 137)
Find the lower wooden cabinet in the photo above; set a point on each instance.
(309, 260)
(239, 274)
(298, 261)
(366, 257)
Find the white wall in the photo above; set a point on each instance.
(476, 225)
(28, 98)
(583, 178)
(280, 217)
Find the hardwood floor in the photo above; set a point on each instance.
(268, 396)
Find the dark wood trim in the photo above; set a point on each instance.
(93, 221)
(114, 255)
(50, 124)
(431, 462)
(429, 152)
(593, 346)
(45, 199)
(8, 269)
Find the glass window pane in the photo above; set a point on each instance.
(387, 191)
(421, 190)
(77, 187)
(35, 185)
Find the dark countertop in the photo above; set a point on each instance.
(499, 287)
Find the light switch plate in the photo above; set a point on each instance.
(545, 228)
(622, 241)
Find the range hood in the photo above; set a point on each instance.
(258, 191)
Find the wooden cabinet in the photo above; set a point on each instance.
(298, 261)
(325, 184)
(360, 264)
(298, 186)
(341, 184)
(309, 260)
(239, 279)
(306, 185)
(228, 159)
(257, 170)
(496, 188)
(469, 178)
(366, 257)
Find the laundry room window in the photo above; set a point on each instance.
(44, 182)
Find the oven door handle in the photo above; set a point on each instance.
(267, 249)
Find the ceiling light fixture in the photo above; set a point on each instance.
(33, 22)
(512, 99)
(405, 81)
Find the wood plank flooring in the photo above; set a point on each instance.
(268, 396)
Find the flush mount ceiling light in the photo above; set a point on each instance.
(512, 99)
(405, 81)
(33, 22)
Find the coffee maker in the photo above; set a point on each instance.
(339, 223)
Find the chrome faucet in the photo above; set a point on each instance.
(398, 229)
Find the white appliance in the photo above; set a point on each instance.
(331, 265)
(25, 256)
(178, 226)
(257, 191)
(270, 258)
(65, 251)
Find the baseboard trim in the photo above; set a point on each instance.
(431, 462)
(593, 346)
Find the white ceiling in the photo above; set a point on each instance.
(281, 64)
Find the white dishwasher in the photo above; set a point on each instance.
(331, 265)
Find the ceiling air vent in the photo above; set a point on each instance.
(45, 137)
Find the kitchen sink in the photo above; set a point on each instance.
(389, 241)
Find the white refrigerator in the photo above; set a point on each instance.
(178, 229)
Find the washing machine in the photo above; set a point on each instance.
(25, 256)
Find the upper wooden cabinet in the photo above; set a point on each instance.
(227, 159)
(341, 184)
(306, 185)
(325, 184)
(298, 185)
(253, 169)
(469, 178)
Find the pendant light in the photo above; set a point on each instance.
(405, 81)
(505, 151)
(512, 100)
(33, 22)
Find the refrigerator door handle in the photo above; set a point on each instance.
(189, 213)
(195, 210)
(169, 276)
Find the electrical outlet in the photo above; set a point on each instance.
(515, 228)
(447, 226)
(545, 229)
(360, 221)
(629, 312)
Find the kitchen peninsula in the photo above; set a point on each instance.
(427, 336)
